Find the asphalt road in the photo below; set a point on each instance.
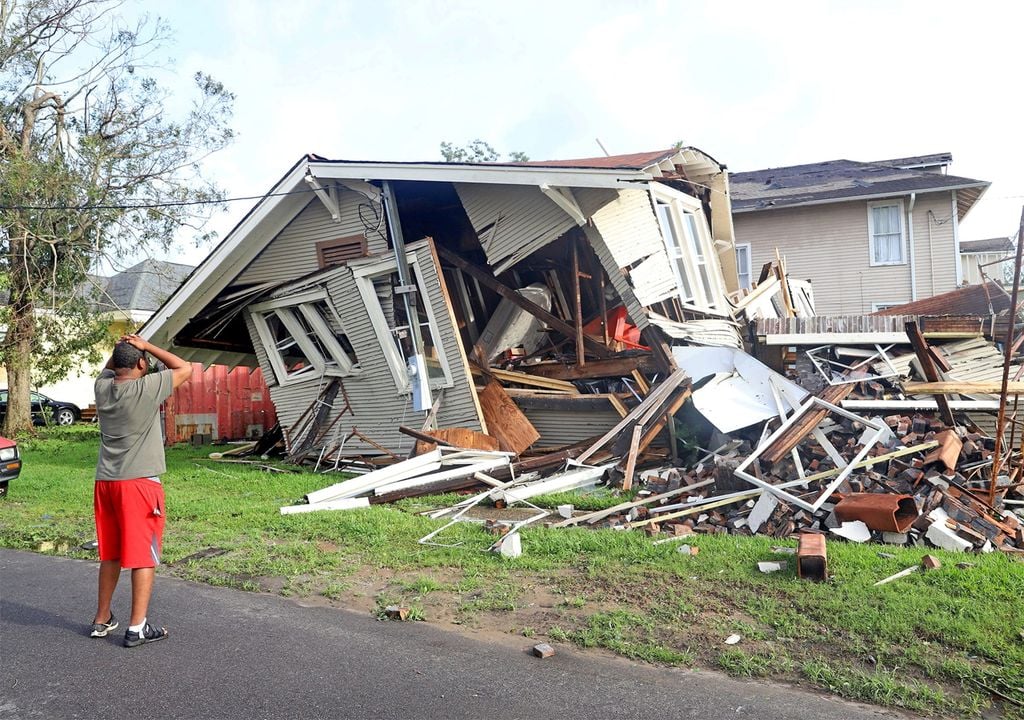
(241, 656)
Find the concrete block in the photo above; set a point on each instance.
(895, 538)
(941, 536)
(772, 566)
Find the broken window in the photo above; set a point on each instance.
(380, 287)
(303, 338)
(689, 245)
(885, 228)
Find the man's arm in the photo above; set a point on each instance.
(181, 369)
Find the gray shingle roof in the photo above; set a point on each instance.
(841, 180)
(990, 245)
(143, 286)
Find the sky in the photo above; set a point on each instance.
(753, 84)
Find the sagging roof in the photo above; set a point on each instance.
(980, 300)
(989, 245)
(842, 180)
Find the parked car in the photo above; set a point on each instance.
(46, 410)
(10, 463)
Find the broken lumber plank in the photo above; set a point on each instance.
(634, 448)
(805, 424)
(342, 504)
(357, 485)
(593, 517)
(955, 387)
(507, 423)
(578, 477)
(649, 404)
(526, 379)
(375, 444)
(487, 279)
(924, 357)
(611, 367)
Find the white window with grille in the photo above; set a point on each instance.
(303, 338)
(743, 264)
(886, 233)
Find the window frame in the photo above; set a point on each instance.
(686, 258)
(745, 247)
(872, 257)
(339, 364)
(364, 275)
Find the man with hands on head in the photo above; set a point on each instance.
(129, 499)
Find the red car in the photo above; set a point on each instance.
(10, 463)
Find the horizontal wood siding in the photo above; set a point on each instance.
(377, 407)
(630, 227)
(293, 253)
(563, 427)
(828, 245)
(526, 218)
(935, 250)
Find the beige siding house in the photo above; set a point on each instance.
(867, 235)
(993, 257)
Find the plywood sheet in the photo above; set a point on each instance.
(505, 420)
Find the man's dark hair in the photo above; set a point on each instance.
(126, 355)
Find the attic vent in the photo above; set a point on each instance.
(337, 252)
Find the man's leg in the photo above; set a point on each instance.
(110, 572)
(142, 589)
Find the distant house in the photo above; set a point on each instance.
(868, 235)
(993, 257)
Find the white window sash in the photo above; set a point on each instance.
(886, 239)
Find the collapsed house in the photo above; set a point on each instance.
(529, 328)
(394, 288)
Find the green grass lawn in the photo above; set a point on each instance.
(948, 642)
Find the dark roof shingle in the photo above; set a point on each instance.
(839, 180)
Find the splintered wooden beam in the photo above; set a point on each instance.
(487, 279)
(924, 356)
(805, 424)
(612, 367)
(957, 387)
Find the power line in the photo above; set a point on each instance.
(142, 206)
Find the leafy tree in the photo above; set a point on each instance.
(477, 151)
(93, 166)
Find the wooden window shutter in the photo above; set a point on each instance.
(337, 252)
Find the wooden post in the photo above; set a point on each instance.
(931, 374)
(485, 278)
(1001, 420)
(580, 354)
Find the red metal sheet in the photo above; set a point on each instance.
(233, 405)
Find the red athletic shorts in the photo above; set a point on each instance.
(130, 521)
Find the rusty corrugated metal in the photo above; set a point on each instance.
(227, 405)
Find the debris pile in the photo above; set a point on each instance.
(785, 461)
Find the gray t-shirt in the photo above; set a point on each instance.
(131, 441)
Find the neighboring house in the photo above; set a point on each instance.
(313, 287)
(993, 257)
(868, 235)
(126, 300)
(218, 401)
